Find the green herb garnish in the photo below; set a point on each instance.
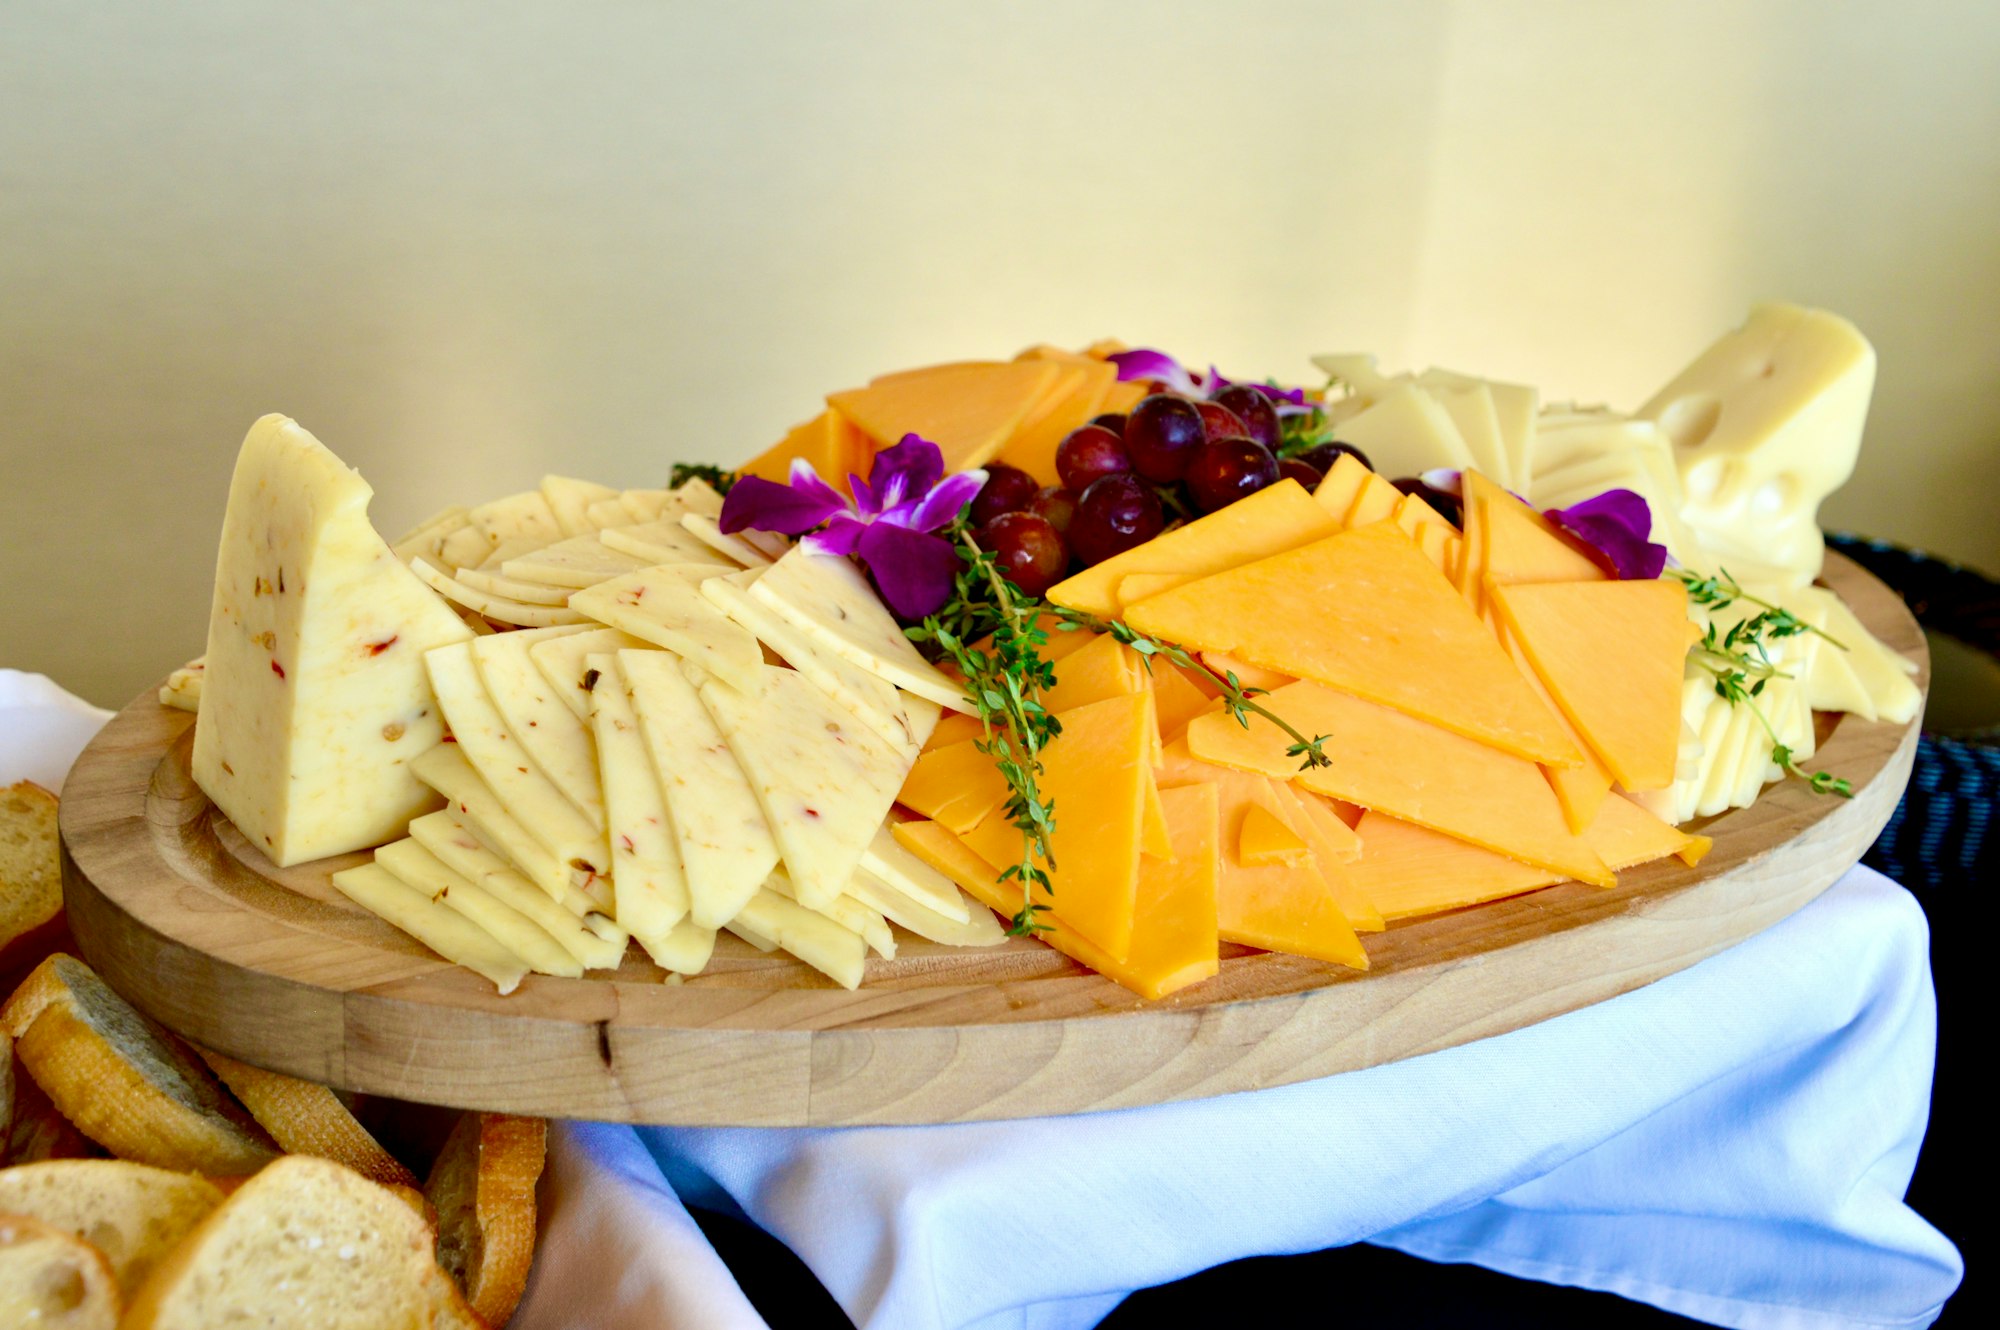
(719, 478)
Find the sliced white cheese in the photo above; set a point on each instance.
(564, 662)
(887, 861)
(761, 942)
(828, 599)
(539, 717)
(489, 744)
(1407, 432)
(646, 505)
(684, 950)
(824, 780)
(609, 513)
(427, 538)
(923, 715)
(524, 516)
(835, 952)
(466, 547)
(648, 880)
(698, 496)
(751, 548)
(445, 770)
(182, 689)
(665, 606)
(444, 930)
(594, 939)
(314, 690)
(580, 561)
(845, 910)
(419, 869)
(1471, 410)
(570, 500)
(498, 608)
(488, 582)
(726, 846)
(514, 547)
(663, 541)
(1882, 672)
(980, 928)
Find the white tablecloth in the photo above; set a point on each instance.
(1731, 1143)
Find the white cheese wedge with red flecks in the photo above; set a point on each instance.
(539, 718)
(594, 939)
(838, 953)
(442, 929)
(685, 950)
(565, 663)
(663, 541)
(418, 868)
(468, 798)
(580, 561)
(649, 882)
(316, 698)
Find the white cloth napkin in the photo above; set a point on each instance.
(42, 729)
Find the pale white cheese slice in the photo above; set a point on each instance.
(1406, 433)
(182, 690)
(663, 541)
(980, 928)
(419, 869)
(1471, 410)
(445, 770)
(594, 939)
(487, 581)
(648, 880)
(847, 911)
(488, 743)
(895, 867)
(570, 499)
(466, 547)
(684, 950)
(426, 540)
(726, 846)
(828, 599)
(523, 516)
(665, 606)
(314, 690)
(698, 496)
(1882, 672)
(498, 608)
(751, 548)
(564, 662)
(539, 718)
(824, 780)
(445, 931)
(836, 952)
(580, 561)
(646, 505)
(609, 513)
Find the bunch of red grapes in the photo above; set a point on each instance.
(1122, 474)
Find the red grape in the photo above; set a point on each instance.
(1113, 515)
(1161, 435)
(1111, 420)
(1224, 470)
(1056, 505)
(1087, 452)
(1256, 411)
(1444, 503)
(1007, 489)
(1302, 471)
(1219, 422)
(1030, 551)
(1326, 454)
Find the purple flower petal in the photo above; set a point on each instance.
(865, 501)
(941, 504)
(1616, 523)
(906, 471)
(1280, 397)
(769, 506)
(1144, 363)
(842, 535)
(1444, 479)
(914, 571)
(806, 480)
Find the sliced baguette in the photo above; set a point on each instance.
(31, 913)
(133, 1214)
(53, 1279)
(34, 1130)
(307, 1242)
(125, 1081)
(483, 1185)
(307, 1119)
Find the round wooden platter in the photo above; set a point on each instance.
(188, 920)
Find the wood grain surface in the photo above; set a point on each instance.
(189, 921)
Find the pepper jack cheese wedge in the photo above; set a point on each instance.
(317, 698)
(649, 881)
(831, 602)
(419, 869)
(558, 742)
(445, 931)
(595, 941)
(664, 606)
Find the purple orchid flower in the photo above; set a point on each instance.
(1617, 524)
(1161, 368)
(890, 525)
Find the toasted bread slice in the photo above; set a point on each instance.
(133, 1214)
(54, 1279)
(31, 917)
(306, 1119)
(125, 1081)
(483, 1185)
(34, 1130)
(305, 1242)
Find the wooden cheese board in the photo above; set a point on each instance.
(188, 920)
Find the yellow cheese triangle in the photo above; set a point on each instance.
(968, 411)
(1335, 847)
(1081, 396)
(1263, 840)
(833, 446)
(1394, 764)
(1625, 834)
(1366, 613)
(1177, 699)
(956, 785)
(1122, 397)
(1247, 675)
(1103, 667)
(1408, 870)
(1342, 486)
(1612, 655)
(1278, 517)
(1524, 546)
(1376, 501)
(1155, 840)
(1579, 789)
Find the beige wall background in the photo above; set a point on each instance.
(467, 243)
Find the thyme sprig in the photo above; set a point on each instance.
(994, 633)
(1740, 662)
(719, 478)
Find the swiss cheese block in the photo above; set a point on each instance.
(649, 880)
(1612, 655)
(1399, 765)
(1033, 445)
(665, 606)
(968, 411)
(1365, 612)
(824, 780)
(1276, 518)
(315, 699)
(1342, 486)
(1408, 870)
(445, 931)
(537, 715)
(826, 598)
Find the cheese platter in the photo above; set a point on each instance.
(1057, 759)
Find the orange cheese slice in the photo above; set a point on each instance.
(1122, 397)
(1625, 834)
(1413, 515)
(1442, 547)
(1366, 613)
(1612, 655)
(1471, 575)
(957, 785)
(920, 371)
(1524, 546)
(1408, 870)
(1103, 667)
(1335, 847)
(1177, 699)
(1395, 764)
(1035, 441)
(1263, 840)
(1579, 789)
(828, 441)
(1278, 517)
(1342, 486)
(1154, 837)
(1695, 850)
(1247, 675)
(1376, 502)
(954, 727)
(968, 411)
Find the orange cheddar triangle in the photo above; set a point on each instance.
(828, 441)
(968, 411)
(954, 727)
(1335, 847)
(1625, 835)
(1077, 398)
(1342, 486)
(1278, 517)
(1365, 612)
(1376, 502)
(1263, 840)
(1177, 699)
(1395, 764)
(1122, 397)
(1524, 546)
(1471, 574)
(1408, 870)
(1155, 839)
(1579, 789)
(1612, 655)
(1103, 667)
(957, 785)
(1247, 675)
